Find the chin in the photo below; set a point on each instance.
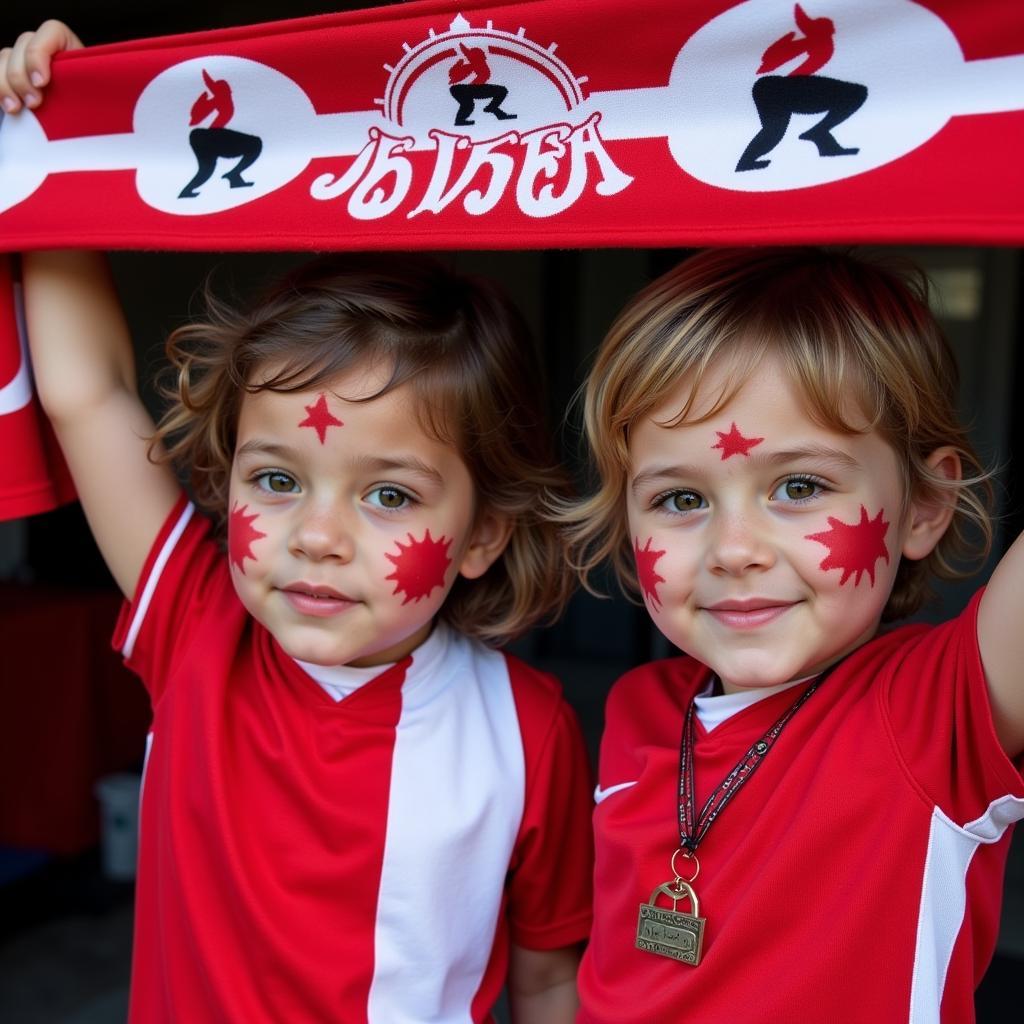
(315, 653)
(756, 678)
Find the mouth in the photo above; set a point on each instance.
(749, 613)
(316, 599)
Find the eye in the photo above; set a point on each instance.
(798, 489)
(389, 497)
(276, 482)
(680, 501)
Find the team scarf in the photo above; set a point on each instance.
(533, 124)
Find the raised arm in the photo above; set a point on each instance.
(85, 375)
(1001, 638)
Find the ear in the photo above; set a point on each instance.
(490, 538)
(929, 515)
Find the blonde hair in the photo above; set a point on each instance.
(470, 362)
(845, 328)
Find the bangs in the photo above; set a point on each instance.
(839, 392)
(434, 376)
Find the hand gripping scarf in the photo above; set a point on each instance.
(534, 124)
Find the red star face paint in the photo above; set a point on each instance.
(241, 535)
(646, 573)
(320, 418)
(420, 566)
(732, 442)
(854, 547)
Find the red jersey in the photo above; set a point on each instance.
(856, 876)
(303, 859)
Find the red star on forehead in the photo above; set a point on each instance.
(734, 443)
(854, 547)
(241, 535)
(320, 417)
(419, 566)
(645, 571)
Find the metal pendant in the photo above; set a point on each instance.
(671, 933)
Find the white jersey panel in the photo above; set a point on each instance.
(457, 796)
(944, 898)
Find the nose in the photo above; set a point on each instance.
(323, 533)
(739, 543)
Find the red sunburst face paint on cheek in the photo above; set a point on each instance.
(241, 536)
(732, 442)
(854, 547)
(320, 418)
(646, 573)
(420, 566)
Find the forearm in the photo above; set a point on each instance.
(555, 1005)
(81, 349)
(85, 376)
(1002, 646)
(542, 985)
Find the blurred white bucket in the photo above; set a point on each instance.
(119, 817)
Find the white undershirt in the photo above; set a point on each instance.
(338, 681)
(712, 710)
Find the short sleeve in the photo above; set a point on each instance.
(936, 703)
(183, 576)
(644, 710)
(551, 881)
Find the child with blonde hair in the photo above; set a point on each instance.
(806, 816)
(354, 807)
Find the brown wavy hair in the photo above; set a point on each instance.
(846, 327)
(470, 361)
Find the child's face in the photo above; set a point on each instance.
(348, 522)
(766, 544)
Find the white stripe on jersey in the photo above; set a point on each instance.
(457, 797)
(944, 898)
(154, 578)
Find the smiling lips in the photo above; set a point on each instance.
(749, 613)
(316, 600)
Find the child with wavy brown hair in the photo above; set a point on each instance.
(355, 808)
(805, 817)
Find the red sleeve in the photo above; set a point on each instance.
(645, 710)
(549, 893)
(183, 576)
(936, 704)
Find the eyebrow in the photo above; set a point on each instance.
(822, 452)
(819, 452)
(365, 463)
(259, 447)
(410, 463)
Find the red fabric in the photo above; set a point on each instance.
(35, 477)
(940, 134)
(873, 834)
(269, 835)
(529, 124)
(72, 714)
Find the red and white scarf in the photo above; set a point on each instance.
(534, 124)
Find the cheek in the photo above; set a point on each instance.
(647, 573)
(243, 535)
(418, 567)
(853, 549)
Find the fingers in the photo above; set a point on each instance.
(15, 85)
(25, 66)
